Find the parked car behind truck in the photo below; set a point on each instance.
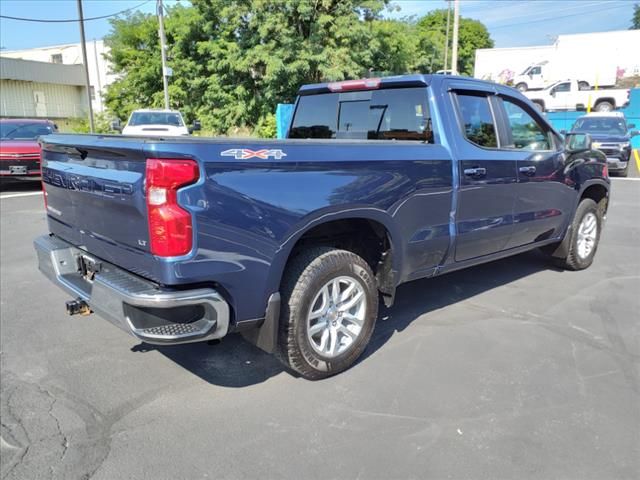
(156, 122)
(611, 135)
(19, 148)
(293, 242)
(568, 95)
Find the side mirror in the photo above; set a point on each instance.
(631, 125)
(196, 126)
(577, 142)
(552, 93)
(563, 132)
(115, 125)
(634, 133)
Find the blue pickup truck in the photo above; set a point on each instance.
(294, 242)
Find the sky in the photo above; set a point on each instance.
(511, 23)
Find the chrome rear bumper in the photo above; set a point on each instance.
(142, 308)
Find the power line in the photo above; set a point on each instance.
(40, 20)
(556, 17)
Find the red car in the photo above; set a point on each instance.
(19, 148)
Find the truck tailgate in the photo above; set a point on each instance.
(95, 197)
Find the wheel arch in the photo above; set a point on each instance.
(317, 230)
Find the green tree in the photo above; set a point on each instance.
(635, 20)
(233, 61)
(431, 34)
(394, 49)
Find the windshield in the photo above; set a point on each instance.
(605, 125)
(155, 118)
(23, 131)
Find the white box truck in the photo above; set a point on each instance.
(592, 59)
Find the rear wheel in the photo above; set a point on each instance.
(585, 236)
(522, 87)
(604, 106)
(329, 310)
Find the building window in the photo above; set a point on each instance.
(92, 91)
(56, 58)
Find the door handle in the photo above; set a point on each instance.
(529, 170)
(475, 172)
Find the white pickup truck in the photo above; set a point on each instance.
(567, 95)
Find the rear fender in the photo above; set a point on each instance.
(327, 215)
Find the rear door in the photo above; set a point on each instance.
(543, 200)
(484, 214)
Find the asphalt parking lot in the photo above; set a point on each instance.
(510, 370)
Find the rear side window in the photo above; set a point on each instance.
(388, 114)
(526, 133)
(477, 119)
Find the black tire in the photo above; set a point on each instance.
(522, 87)
(604, 106)
(306, 275)
(573, 261)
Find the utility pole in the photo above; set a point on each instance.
(446, 36)
(454, 48)
(86, 65)
(166, 71)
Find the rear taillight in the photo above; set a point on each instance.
(605, 171)
(170, 226)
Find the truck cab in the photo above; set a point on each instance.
(532, 78)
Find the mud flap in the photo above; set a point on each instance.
(265, 337)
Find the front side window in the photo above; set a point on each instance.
(562, 87)
(477, 119)
(535, 71)
(387, 114)
(526, 132)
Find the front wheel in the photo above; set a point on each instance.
(585, 236)
(522, 87)
(329, 310)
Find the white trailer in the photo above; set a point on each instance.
(592, 59)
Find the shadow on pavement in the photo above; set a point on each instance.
(233, 362)
(423, 296)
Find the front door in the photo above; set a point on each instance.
(544, 201)
(484, 214)
(560, 97)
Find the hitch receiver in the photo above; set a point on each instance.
(78, 307)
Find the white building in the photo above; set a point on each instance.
(71, 54)
(608, 54)
(31, 89)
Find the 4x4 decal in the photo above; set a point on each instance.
(245, 153)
